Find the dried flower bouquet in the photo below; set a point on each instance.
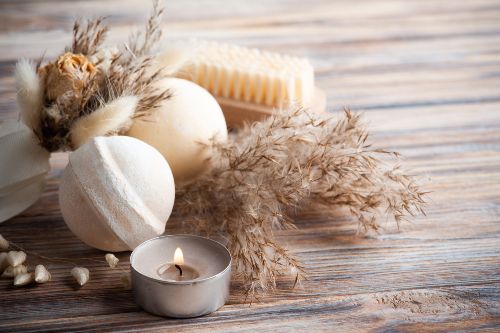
(91, 89)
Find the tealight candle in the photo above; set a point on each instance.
(180, 276)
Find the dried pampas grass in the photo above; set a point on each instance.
(142, 43)
(272, 169)
(140, 79)
(88, 37)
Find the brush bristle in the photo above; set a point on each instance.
(251, 75)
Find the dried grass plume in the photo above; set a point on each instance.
(268, 171)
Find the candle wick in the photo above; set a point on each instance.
(179, 268)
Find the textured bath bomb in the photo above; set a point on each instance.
(116, 192)
(23, 167)
(190, 118)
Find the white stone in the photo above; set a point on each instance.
(111, 259)
(16, 258)
(42, 275)
(81, 275)
(11, 272)
(23, 279)
(190, 117)
(116, 192)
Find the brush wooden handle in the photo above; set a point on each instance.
(237, 113)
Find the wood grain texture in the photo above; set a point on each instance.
(427, 76)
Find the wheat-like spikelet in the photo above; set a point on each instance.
(141, 43)
(88, 37)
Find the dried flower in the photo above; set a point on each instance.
(81, 275)
(15, 258)
(42, 275)
(69, 75)
(11, 272)
(126, 280)
(23, 279)
(3, 261)
(270, 170)
(4, 244)
(111, 260)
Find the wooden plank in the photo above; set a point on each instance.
(427, 76)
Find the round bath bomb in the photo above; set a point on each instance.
(181, 125)
(23, 167)
(116, 192)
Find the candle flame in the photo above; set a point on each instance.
(178, 257)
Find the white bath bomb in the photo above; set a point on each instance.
(181, 125)
(23, 167)
(116, 192)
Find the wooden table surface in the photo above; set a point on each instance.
(425, 73)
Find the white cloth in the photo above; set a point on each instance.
(23, 166)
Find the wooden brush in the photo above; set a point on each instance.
(251, 84)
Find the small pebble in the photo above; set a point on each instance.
(11, 272)
(16, 258)
(81, 275)
(42, 275)
(23, 279)
(111, 259)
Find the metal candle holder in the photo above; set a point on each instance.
(187, 298)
